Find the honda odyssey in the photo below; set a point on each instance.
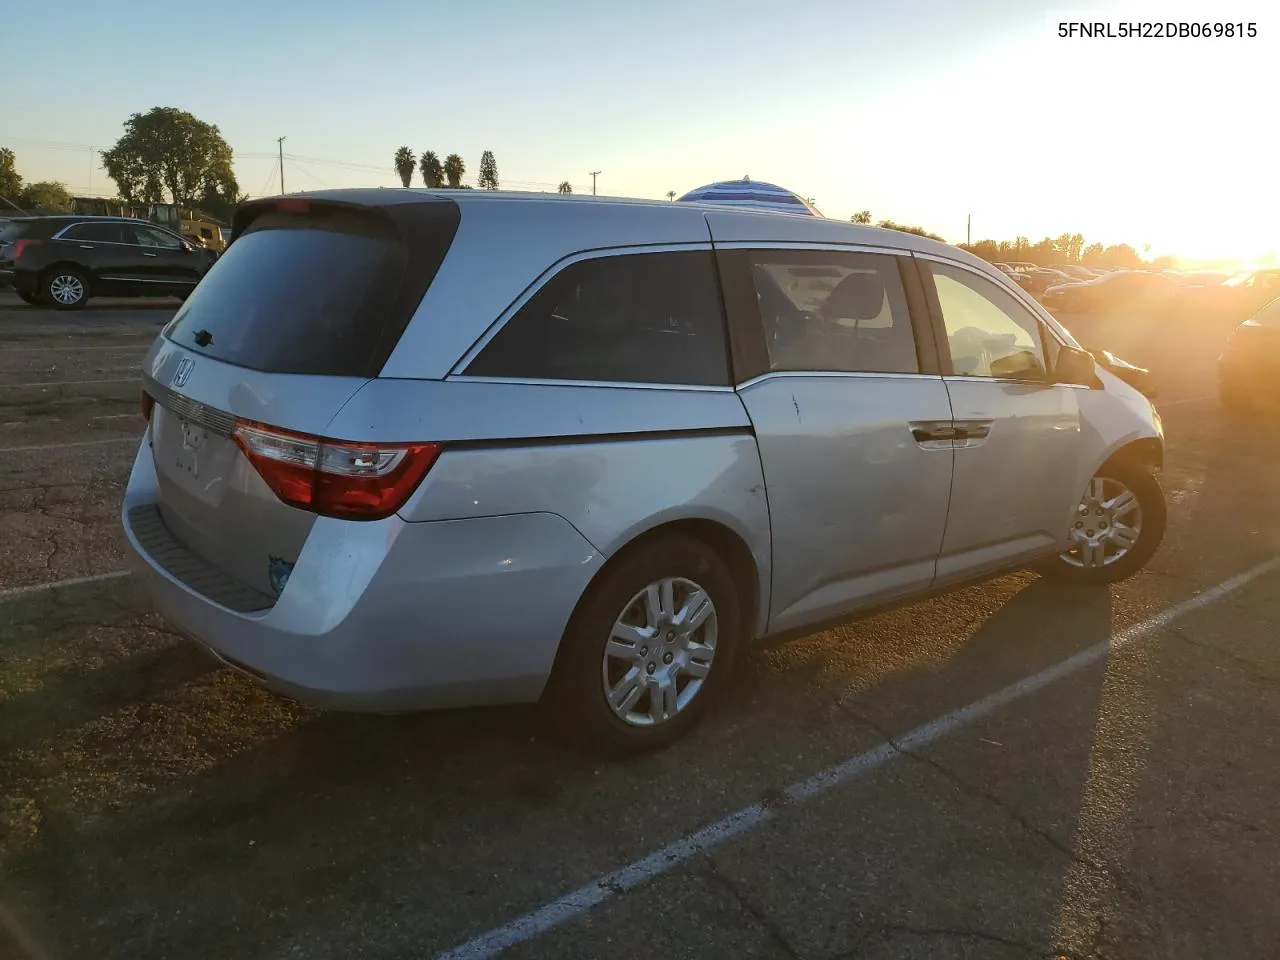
(415, 449)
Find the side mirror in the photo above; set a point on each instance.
(1076, 366)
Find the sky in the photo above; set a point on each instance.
(925, 112)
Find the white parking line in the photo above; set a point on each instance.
(67, 446)
(15, 592)
(1174, 403)
(65, 383)
(114, 416)
(640, 871)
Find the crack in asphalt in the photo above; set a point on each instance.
(1123, 882)
(1251, 667)
(770, 926)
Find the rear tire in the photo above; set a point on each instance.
(1151, 514)
(628, 635)
(65, 288)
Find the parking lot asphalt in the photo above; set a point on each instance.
(1014, 769)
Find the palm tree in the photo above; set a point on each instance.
(404, 163)
(862, 216)
(671, 194)
(565, 187)
(454, 168)
(432, 172)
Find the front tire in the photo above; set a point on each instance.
(1119, 525)
(648, 649)
(65, 288)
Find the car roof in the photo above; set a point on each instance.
(733, 223)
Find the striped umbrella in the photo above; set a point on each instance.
(751, 193)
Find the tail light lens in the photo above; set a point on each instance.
(148, 404)
(19, 246)
(353, 481)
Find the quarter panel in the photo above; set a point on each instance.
(611, 491)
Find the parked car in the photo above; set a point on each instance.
(1021, 278)
(1249, 366)
(1113, 291)
(63, 261)
(656, 432)
(1075, 271)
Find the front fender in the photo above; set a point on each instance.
(1117, 420)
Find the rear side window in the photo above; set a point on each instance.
(328, 291)
(633, 318)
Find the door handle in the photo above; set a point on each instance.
(148, 254)
(934, 434)
(86, 246)
(971, 433)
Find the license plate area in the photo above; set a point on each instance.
(193, 441)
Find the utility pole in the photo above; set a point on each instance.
(594, 174)
(968, 230)
(280, 144)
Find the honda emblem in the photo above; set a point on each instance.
(183, 372)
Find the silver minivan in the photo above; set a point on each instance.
(414, 449)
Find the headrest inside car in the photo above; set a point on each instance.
(859, 296)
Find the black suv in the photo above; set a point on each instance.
(63, 261)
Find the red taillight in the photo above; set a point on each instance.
(19, 246)
(293, 206)
(354, 481)
(148, 404)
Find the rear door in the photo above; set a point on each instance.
(852, 421)
(1018, 446)
(299, 313)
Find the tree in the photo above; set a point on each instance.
(565, 187)
(918, 231)
(862, 216)
(220, 200)
(167, 149)
(432, 172)
(46, 196)
(1092, 254)
(488, 179)
(671, 194)
(405, 163)
(454, 168)
(10, 179)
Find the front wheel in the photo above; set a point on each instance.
(647, 650)
(1117, 528)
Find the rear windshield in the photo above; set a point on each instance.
(325, 293)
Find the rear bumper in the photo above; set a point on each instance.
(388, 616)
